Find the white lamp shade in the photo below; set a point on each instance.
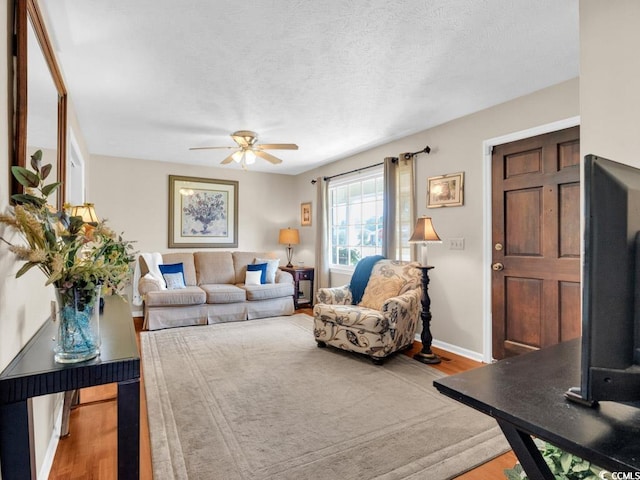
(86, 211)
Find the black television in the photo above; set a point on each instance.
(610, 356)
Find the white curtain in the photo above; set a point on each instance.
(399, 207)
(321, 279)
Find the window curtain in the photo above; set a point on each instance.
(321, 279)
(399, 207)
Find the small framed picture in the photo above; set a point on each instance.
(305, 214)
(445, 190)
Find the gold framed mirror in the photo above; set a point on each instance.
(40, 111)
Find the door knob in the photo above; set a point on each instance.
(497, 267)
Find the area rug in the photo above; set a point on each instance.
(258, 400)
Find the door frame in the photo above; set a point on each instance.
(487, 146)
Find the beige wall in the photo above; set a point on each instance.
(457, 282)
(24, 302)
(133, 196)
(610, 79)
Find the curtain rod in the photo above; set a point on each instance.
(407, 156)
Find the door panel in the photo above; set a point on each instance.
(536, 231)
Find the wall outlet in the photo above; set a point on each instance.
(456, 244)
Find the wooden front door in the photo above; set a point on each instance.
(536, 242)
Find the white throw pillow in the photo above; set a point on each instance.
(272, 267)
(174, 281)
(253, 278)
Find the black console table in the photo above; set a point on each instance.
(525, 395)
(34, 372)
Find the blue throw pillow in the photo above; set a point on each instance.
(169, 269)
(259, 267)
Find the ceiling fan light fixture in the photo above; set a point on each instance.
(237, 156)
(249, 157)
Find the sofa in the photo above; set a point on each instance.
(216, 288)
(382, 322)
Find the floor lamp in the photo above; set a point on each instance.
(424, 233)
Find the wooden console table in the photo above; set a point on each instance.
(525, 395)
(33, 372)
(301, 273)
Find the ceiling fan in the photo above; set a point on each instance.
(248, 150)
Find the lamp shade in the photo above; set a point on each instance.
(289, 236)
(424, 232)
(86, 211)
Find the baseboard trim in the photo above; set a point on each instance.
(47, 461)
(463, 352)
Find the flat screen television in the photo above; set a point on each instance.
(610, 356)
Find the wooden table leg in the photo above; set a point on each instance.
(527, 452)
(129, 429)
(17, 454)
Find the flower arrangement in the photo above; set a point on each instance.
(68, 250)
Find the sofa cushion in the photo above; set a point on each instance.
(188, 266)
(362, 318)
(379, 289)
(254, 277)
(215, 268)
(240, 262)
(268, 291)
(258, 267)
(173, 274)
(224, 293)
(176, 298)
(272, 267)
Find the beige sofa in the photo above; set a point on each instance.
(215, 291)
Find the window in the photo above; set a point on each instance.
(355, 217)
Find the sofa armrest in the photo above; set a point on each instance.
(334, 295)
(147, 284)
(283, 277)
(403, 308)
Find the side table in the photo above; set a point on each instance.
(301, 273)
(33, 372)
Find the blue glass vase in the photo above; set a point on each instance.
(78, 324)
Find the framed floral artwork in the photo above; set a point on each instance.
(445, 190)
(203, 213)
(305, 214)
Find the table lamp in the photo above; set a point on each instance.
(289, 236)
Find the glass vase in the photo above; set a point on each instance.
(78, 324)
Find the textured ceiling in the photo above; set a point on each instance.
(151, 78)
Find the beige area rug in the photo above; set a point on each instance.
(259, 400)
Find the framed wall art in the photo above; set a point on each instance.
(305, 214)
(445, 190)
(203, 213)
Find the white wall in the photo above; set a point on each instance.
(456, 287)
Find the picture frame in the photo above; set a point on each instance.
(305, 214)
(203, 212)
(445, 190)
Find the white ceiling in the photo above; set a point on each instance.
(151, 78)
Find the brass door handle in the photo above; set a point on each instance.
(497, 267)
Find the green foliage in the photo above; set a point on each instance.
(68, 250)
(563, 465)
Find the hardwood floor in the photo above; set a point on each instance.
(89, 452)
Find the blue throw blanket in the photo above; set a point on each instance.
(360, 277)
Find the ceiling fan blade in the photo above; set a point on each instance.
(208, 148)
(278, 146)
(227, 160)
(267, 156)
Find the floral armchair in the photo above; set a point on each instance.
(383, 322)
